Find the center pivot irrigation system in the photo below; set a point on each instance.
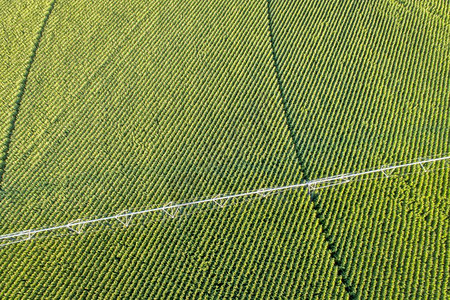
(172, 210)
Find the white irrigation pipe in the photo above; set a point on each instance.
(221, 200)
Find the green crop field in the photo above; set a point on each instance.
(112, 106)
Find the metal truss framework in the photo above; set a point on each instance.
(172, 210)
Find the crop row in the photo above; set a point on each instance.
(147, 130)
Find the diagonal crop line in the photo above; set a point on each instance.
(281, 89)
(22, 88)
(330, 247)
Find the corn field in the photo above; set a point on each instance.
(110, 105)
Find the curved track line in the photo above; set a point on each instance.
(22, 88)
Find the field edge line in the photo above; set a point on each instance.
(20, 94)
